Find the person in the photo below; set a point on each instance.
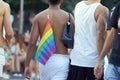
(108, 20)
(58, 64)
(6, 23)
(112, 41)
(108, 29)
(90, 23)
(20, 53)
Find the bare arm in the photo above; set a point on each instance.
(98, 70)
(32, 43)
(108, 44)
(101, 24)
(7, 23)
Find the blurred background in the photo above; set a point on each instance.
(35, 6)
(22, 14)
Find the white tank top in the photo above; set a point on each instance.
(85, 51)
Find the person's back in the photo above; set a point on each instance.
(58, 19)
(85, 35)
(90, 22)
(6, 24)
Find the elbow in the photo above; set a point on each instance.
(9, 36)
(100, 38)
(10, 33)
(113, 37)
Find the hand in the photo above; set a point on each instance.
(27, 73)
(98, 70)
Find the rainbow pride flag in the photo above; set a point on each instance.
(46, 46)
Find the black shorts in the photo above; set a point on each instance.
(81, 73)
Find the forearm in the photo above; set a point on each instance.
(100, 43)
(107, 47)
(30, 52)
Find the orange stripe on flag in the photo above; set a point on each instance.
(47, 27)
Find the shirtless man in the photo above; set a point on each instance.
(6, 23)
(58, 64)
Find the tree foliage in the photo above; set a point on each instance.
(109, 3)
(39, 5)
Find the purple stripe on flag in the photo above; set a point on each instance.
(47, 56)
(46, 50)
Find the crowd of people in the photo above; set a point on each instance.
(14, 44)
(96, 35)
(15, 55)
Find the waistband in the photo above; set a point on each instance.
(58, 54)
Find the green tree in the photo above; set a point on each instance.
(39, 5)
(110, 3)
(28, 5)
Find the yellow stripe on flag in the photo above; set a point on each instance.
(45, 36)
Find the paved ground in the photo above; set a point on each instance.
(16, 78)
(19, 78)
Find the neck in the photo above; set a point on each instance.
(54, 7)
(94, 0)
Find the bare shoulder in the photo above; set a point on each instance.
(40, 15)
(5, 4)
(63, 11)
(102, 10)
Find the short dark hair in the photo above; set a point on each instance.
(54, 2)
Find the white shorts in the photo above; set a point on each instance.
(1, 70)
(2, 57)
(56, 68)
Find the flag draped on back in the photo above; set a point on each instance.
(47, 44)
